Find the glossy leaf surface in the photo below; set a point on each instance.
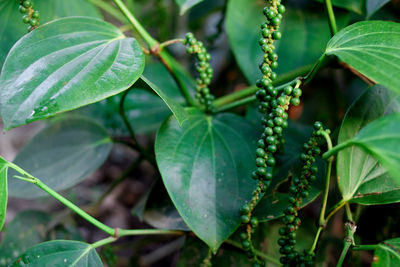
(61, 155)
(308, 30)
(372, 48)
(362, 179)
(29, 234)
(204, 166)
(3, 191)
(387, 254)
(185, 5)
(54, 253)
(381, 138)
(275, 200)
(63, 65)
(12, 28)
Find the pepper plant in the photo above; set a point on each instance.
(238, 167)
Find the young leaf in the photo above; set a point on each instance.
(185, 5)
(13, 29)
(28, 235)
(3, 191)
(54, 253)
(205, 167)
(61, 155)
(374, 5)
(381, 138)
(179, 112)
(362, 179)
(387, 254)
(63, 65)
(372, 48)
(306, 29)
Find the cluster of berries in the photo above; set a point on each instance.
(204, 70)
(298, 190)
(31, 16)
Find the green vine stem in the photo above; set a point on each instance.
(114, 233)
(286, 78)
(151, 42)
(331, 16)
(348, 241)
(364, 247)
(111, 10)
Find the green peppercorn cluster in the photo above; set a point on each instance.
(204, 70)
(298, 190)
(31, 16)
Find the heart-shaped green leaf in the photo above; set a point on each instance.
(387, 254)
(3, 191)
(381, 138)
(306, 29)
(55, 253)
(61, 155)
(372, 48)
(63, 65)
(12, 28)
(185, 5)
(361, 178)
(29, 235)
(205, 168)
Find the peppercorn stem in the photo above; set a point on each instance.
(257, 252)
(288, 77)
(324, 202)
(316, 238)
(170, 42)
(322, 62)
(151, 42)
(331, 17)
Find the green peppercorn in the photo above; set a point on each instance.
(26, 19)
(243, 236)
(297, 92)
(295, 101)
(245, 218)
(317, 125)
(245, 209)
(281, 9)
(35, 14)
(268, 131)
(22, 9)
(260, 152)
(254, 222)
(246, 244)
(271, 162)
(27, 4)
(277, 35)
(275, 21)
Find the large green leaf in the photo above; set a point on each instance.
(387, 254)
(66, 64)
(372, 48)
(3, 191)
(276, 200)
(381, 138)
(12, 28)
(185, 5)
(205, 168)
(308, 30)
(145, 109)
(60, 252)
(362, 179)
(61, 155)
(374, 5)
(27, 229)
